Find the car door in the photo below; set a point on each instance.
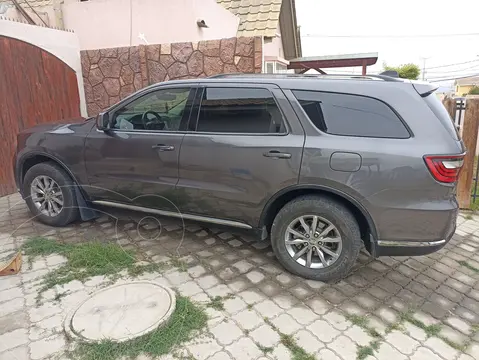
(239, 153)
(135, 162)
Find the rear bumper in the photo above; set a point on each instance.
(413, 248)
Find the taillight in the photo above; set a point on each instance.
(444, 168)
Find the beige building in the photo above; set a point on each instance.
(463, 86)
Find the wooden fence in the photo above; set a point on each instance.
(35, 87)
(465, 113)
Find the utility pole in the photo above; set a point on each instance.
(424, 67)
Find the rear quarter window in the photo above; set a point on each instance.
(441, 113)
(351, 115)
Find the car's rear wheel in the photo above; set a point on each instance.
(316, 237)
(50, 194)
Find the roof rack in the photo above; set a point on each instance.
(315, 76)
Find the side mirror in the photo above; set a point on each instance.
(103, 121)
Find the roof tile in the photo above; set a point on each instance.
(257, 17)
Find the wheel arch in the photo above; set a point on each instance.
(362, 216)
(29, 160)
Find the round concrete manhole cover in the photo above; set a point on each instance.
(121, 312)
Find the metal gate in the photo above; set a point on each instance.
(35, 87)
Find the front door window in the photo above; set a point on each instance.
(160, 110)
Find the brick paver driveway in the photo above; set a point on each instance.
(441, 289)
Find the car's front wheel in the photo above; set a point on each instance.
(50, 194)
(316, 237)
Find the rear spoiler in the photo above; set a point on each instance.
(424, 88)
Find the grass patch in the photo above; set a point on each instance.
(469, 266)
(184, 324)
(59, 296)
(468, 217)
(364, 351)
(217, 302)
(85, 260)
(178, 263)
(361, 321)
(430, 330)
(297, 352)
(265, 349)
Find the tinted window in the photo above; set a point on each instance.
(441, 113)
(239, 110)
(160, 110)
(351, 115)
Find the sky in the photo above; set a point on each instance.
(391, 31)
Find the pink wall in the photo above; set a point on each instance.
(115, 23)
(273, 50)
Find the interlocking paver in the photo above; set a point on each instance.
(344, 346)
(323, 330)
(327, 354)
(453, 335)
(226, 332)
(13, 339)
(308, 341)
(46, 347)
(19, 353)
(285, 300)
(268, 308)
(441, 348)
(286, 324)
(203, 348)
(337, 320)
(302, 314)
(244, 349)
(388, 352)
(248, 319)
(265, 336)
(423, 353)
(318, 305)
(358, 335)
(404, 343)
(234, 305)
(281, 352)
(252, 296)
(445, 292)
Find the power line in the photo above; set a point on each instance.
(440, 66)
(454, 78)
(388, 36)
(452, 71)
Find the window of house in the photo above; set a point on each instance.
(351, 115)
(270, 67)
(281, 68)
(239, 110)
(160, 110)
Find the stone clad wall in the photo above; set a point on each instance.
(112, 74)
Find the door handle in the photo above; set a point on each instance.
(163, 147)
(277, 154)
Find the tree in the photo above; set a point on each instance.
(474, 90)
(405, 71)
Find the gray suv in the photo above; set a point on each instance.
(321, 165)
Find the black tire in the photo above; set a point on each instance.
(70, 211)
(335, 213)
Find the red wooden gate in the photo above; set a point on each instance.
(35, 88)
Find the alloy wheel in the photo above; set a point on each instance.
(313, 241)
(47, 196)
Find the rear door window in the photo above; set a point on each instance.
(351, 115)
(239, 111)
